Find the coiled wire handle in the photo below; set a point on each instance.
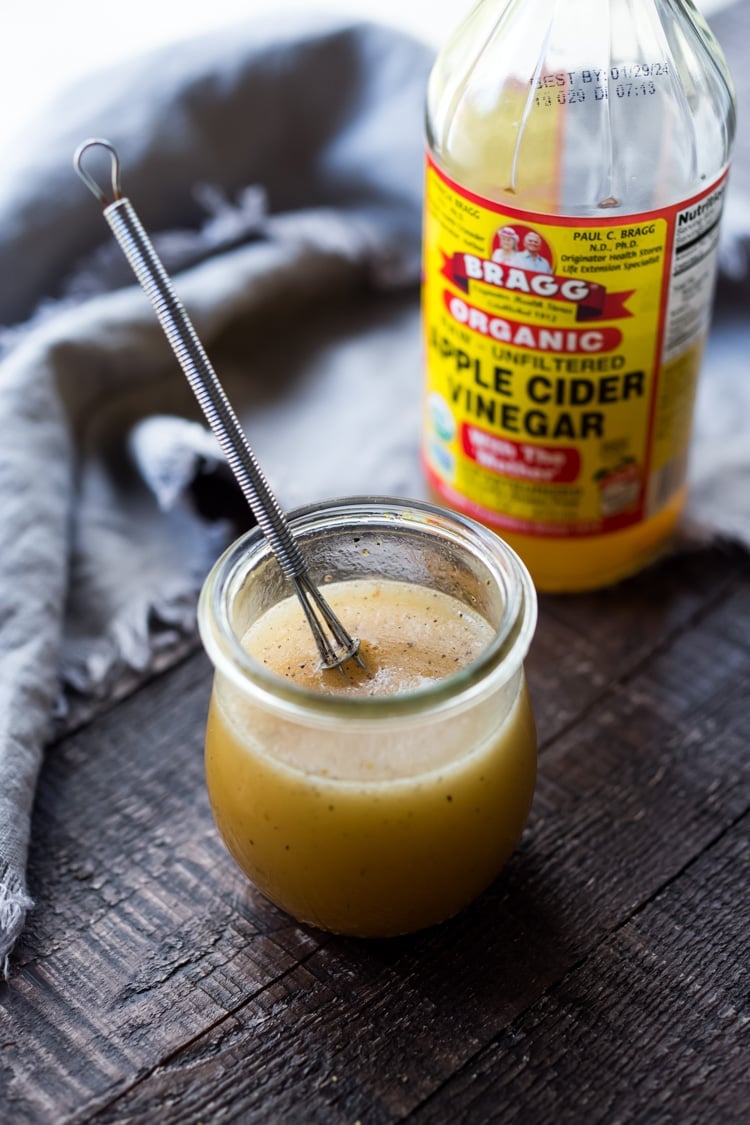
(137, 247)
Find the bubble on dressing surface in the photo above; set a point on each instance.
(410, 636)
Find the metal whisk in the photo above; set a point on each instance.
(334, 644)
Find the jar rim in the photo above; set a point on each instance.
(506, 651)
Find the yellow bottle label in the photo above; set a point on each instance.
(562, 357)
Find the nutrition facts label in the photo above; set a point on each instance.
(696, 242)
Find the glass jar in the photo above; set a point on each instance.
(372, 816)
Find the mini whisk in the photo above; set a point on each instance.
(334, 644)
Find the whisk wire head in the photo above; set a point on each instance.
(320, 618)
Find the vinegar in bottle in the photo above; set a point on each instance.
(577, 164)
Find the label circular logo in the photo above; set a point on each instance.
(443, 422)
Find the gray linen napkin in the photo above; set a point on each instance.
(278, 168)
(279, 171)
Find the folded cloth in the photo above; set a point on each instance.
(279, 171)
(278, 168)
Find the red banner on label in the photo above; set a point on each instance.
(592, 300)
(544, 464)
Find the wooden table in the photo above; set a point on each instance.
(604, 977)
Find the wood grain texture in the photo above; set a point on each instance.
(154, 983)
(652, 1026)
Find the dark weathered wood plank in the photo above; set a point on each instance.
(153, 980)
(193, 997)
(587, 641)
(652, 1026)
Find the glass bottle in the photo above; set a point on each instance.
(577, 161)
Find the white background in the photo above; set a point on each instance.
(46, 43)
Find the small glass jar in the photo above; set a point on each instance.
(372, 816)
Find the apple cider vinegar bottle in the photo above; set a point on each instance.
(577, 164)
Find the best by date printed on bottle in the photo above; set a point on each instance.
(573, 87)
